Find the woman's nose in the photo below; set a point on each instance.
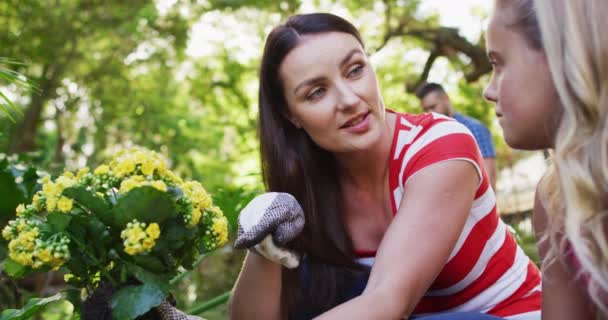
(348, 97)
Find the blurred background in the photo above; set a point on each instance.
(81, 79)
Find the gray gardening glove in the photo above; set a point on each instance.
(169, 312)
(267, 223)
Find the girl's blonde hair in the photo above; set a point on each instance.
(575, 39)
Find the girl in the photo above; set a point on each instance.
(566, 111)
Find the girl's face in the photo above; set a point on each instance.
(332, 92)
(526, 101)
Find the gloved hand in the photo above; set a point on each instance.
(166, 311)
(267, 223)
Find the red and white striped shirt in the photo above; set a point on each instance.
(487, 271)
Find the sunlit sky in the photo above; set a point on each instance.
(462, 14)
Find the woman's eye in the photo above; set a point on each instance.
(357, 70)
(315, 94)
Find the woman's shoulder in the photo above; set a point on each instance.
(426, 119)
(430, 125)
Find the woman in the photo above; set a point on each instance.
(566, 111)
(403, 195)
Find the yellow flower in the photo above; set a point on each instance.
(136, 240)
(68, 174)
(197, 193)
(169, 174)
(125, 167)
(64, 204)
(147, 167)
(220, 228)
(102, 169)
(21, 225)
(82, 172)
(196, 217)
(153, 230)
(51, 203)
(50, 190)
(64, 182)
(45, 255)
(159, 185)
(20, 209)
(6, 233)
(217, 211)
(131, 250)
(135, 235)
(36, 202)
(127, 185)
(149, 243)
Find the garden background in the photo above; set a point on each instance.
(82, 79)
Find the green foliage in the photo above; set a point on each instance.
(132, 301)
(32, 307)
(232, 200)
(10, 76)
(18, 183)
(145, 204)
(13, 268)
(131, 220)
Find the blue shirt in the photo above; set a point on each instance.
(480, 132)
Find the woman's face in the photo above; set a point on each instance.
(332, 92)
(526, 102)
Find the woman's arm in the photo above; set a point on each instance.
(257, 292)
(434, 208)
(563, 299)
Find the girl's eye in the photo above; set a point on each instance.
(357, 70)
(315, 94)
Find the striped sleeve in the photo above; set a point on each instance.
(442, 140)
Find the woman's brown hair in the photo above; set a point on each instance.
(291, 162)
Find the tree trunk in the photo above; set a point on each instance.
(23, 138)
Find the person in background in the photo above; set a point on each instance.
(550, 90)
(433, 98)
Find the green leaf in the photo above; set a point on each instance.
(146, 204)
(145, 276)
(11, 195)
(86, 199)
(3, 249)
(74, 297)
(58, 221)
(30, 308)
(149, 262)
(132, 301)
(13, 269)
(173, 236)
(30, 185)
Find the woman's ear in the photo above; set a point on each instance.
(292, 119)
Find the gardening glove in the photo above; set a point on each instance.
(267, 223)
(167, 311)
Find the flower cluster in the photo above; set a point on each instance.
(137, 238)
(126, 211)
(28, 249)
